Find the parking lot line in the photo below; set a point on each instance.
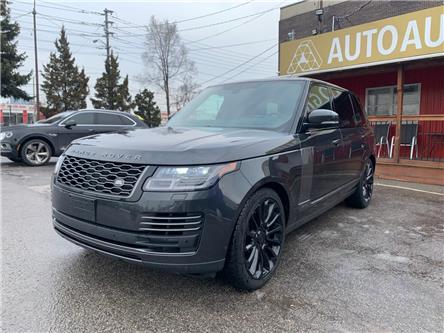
(409, 188)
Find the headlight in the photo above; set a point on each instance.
(188, 178)
(58, 164)
(6, 135)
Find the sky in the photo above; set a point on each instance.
(210, 39)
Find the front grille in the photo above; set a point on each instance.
(170, 232)
(99, 176)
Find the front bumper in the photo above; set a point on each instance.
(115, 227)
(8, 149)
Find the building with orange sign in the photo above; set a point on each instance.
(391, 54)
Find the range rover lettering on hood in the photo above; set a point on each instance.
(105, 155)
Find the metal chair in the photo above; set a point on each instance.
(408, 138)
(381, 131)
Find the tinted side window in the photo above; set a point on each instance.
(343, 108)
(108, 119)
(83, 118)
(318, 98)
(359, 114)
(125, 121)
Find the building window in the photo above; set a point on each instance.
(381, 101)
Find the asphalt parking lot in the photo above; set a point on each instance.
(374, 270)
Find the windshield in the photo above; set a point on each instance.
(55, 118)
(256, 105)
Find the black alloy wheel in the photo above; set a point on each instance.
(263, 240)
(257, 241)
(367, 182)
(362, 196)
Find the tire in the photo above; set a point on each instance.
(16, 160)
(256, 244)
(363, 194)
(36, 152)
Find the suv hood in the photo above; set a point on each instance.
(182, 146)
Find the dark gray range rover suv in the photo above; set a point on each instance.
(221, 185)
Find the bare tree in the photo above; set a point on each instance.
(186, 91)
(166, 57)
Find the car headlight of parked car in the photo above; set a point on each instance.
(58, 164)
(188, 178)
(5, 135)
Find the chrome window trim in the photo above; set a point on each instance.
(105, 112)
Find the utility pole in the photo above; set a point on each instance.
(107, 32)
(36, 75)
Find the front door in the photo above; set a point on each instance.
(84, 126)
(321, 150)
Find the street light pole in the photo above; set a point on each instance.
(36, 64)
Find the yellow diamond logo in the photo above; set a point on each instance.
(306, 58)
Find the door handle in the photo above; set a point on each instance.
(91, 130)
(336, 142)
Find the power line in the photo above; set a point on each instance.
(136, 35)
(210, 25)
(214, 13)
(56, 18)
(227, 21)
(30, 47)
(207, 54)
(242, 64)
(26, 38)
(71, 31)
(221, 60)
(219, 52)
(192, 18)
(231, 45)
(18, 16)
(239, 25)
(60, 7)
(205, 60)
(250, 67)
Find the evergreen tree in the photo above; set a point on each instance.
(65, 86)
(110, 94)
(11, 60)
(147, 108)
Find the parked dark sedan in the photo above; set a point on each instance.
(35, 144)
(221, 185)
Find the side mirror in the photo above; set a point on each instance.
(70, 123)
(322, 118)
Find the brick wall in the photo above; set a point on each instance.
(348, 14)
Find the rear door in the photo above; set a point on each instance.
(111, 122)
(320, 149)
(352, 148)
